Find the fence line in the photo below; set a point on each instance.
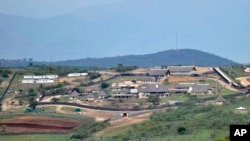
(6, 90)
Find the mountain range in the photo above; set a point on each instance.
(125, 28)
(168, 57)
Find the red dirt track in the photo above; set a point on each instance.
(39, 124)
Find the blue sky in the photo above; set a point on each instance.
(220, 27)
(39, 9)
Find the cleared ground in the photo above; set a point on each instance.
(204, 69)
(244, 81)
(114, 125)
(183, 79)
(39, 124)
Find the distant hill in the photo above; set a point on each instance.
(168, 57)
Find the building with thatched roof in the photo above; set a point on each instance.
(220, 100)
(74, 94)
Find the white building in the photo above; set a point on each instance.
(84, 74)
(45, 81)
(37, 77)
(40, 76)
(77, 74)
(28, 81)
(27, 76)
(51, 76)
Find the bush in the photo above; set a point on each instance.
(181, 130)
(121, 68)
(3, 127)
(155, 100)
(5, 75)
(54, 100)
(94, 76)
(20, 102)
(104, 85)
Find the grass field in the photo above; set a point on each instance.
(125, 78)
(178, 97)
(36, 137)
(235, 72)
(69, 109)
(201, 123)
(200, 135)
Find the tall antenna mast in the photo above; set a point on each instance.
(176, 41)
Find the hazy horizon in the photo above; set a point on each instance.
(129, 27)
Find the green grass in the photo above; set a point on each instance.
(178, 97)
(236, 71)
(200, 135)
(200, 121)
(50, 114)
(64, 99)
(36, 137)
(3, 117)
(74, 116)
(69, 109)
(125, 78)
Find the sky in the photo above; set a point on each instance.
(219, 27)
(40, 9)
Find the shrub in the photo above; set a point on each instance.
(3, 127)
(181, 130)
(104, 85)
(155, 100)
(5, 75)
(94, 76)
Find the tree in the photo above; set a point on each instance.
(3, 127)
(54, 100)
(76, 89)
(94, 76)
(5, 75)
(134, 81)
(33, 104)
(77, 137)
(31, 90)
(20, 102)
(104, 85)
(181, 130)
(121, 68)
(155, 100)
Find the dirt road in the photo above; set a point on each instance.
(124, 122)
(224, 84)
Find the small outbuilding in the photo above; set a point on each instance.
(90, 97)
(74, 95)
(241, 109)
(220, 100)
(102, 95)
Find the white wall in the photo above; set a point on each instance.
(28, 81)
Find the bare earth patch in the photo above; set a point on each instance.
(10, 103)
(39, 124)
(183, 78)
(204, 69)
(49, 98)
(123, 122)
(244, 80)
(98, 115)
